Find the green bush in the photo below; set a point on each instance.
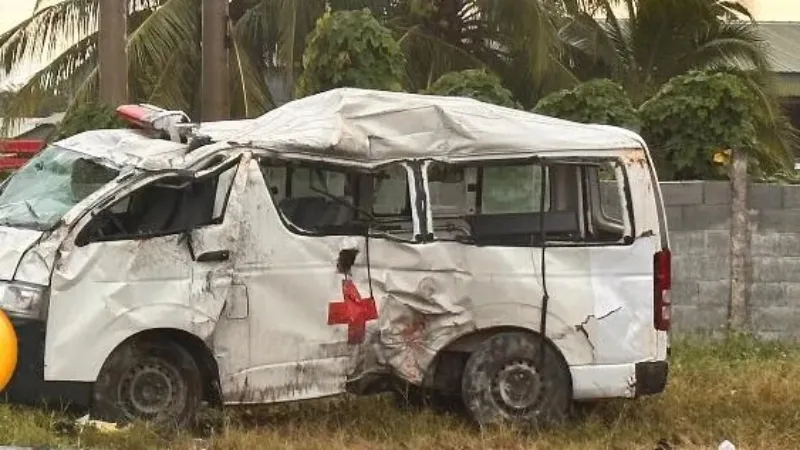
(351, 48)
(597, 101)
(477, 84)
(695, 115)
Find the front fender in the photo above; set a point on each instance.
(69, 363)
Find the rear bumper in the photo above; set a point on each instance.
(28, 387)
(651, 378)
(606, 381)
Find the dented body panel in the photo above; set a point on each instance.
(257, 290)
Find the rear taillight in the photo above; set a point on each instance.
(662, 282)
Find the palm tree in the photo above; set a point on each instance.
(516, 39)
(163, 56)
(274, 32)
(661, 39)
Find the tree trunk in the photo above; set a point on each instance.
(216, 104)
(740, 243)
(113, 60)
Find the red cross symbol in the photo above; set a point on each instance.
(353, 311)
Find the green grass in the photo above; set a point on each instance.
(739, 390)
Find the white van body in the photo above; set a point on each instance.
(247, 291)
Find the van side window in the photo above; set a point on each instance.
(605, 214)
(333, 201)
(513, 189)
(167, 206)
(520, 204)
(497, 205)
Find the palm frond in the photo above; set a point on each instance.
(177, 82)
(46, 30)
(58, 77)
(736, 45)
(525, 27)
(775, 134)
(296, 19)
(430, 56)
(250, 95)
(151, 46)
(257, 30)
(731, 10)
(86, 91)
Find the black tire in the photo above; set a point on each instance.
(158, 382)
(506, 381)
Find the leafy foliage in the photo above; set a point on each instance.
(88, 116)
(473, 83)
(518, 40)
(163, 50)
(48, 106)
(695, 115)
(351, 48)
(788, 177)
(535, 47)
(599, 101)
(660, 40)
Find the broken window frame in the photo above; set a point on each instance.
(598, 213)
(413, 184)
(590, 206)
(585, 202)
(214, 168)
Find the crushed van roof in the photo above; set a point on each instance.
(371, 127)
(122, 147)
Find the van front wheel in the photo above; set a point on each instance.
(509, 380)
(157, 382)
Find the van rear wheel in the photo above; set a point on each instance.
(158, 382)
(509, 380)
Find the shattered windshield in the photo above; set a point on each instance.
(38, 195)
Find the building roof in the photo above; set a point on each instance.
(370, 127)
(783, 39)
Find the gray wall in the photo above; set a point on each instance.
(699, 220)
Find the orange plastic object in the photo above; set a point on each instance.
(8, 350)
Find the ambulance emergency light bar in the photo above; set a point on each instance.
(173, 125)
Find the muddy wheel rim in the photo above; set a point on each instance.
(151, 391)
(517, 388)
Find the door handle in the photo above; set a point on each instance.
(216, 256)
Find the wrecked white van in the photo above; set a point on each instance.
(350, 241)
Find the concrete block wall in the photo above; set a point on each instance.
(699, 217)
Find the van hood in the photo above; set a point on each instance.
(14, 243)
